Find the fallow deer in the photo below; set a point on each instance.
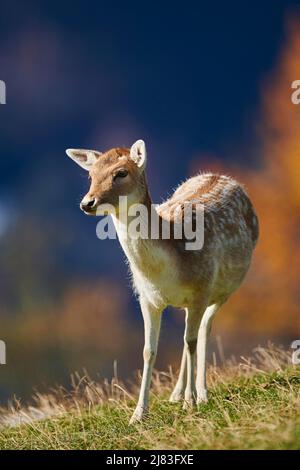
(164, 272)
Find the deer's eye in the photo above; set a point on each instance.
(121, 174)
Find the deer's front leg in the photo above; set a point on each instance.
(152, 319)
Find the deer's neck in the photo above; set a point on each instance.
(134, 242)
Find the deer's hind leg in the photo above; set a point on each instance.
(178, 392)
(192, 322)
(203, 335)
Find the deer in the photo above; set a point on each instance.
(164, 272)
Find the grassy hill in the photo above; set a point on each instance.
(254, 404)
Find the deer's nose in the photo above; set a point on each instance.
(88, 205)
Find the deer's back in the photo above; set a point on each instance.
(227, 208)
(230, 233)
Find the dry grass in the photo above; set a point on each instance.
(254, 403)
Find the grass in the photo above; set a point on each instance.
(254, 404)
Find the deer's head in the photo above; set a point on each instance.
(117, 172)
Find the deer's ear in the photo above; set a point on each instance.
(84, 158)
(138, 153)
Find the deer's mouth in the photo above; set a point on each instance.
(100, 208)
(90, 212)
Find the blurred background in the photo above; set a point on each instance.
(208, 86)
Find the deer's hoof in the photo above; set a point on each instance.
(139, 414)
(189, 403)
(202, 397)
(176, 397)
